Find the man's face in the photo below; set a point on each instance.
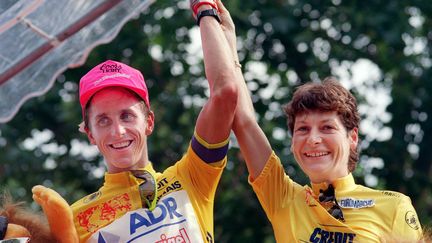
(119, 128)
(321, 145)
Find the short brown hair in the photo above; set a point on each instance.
(326, 96)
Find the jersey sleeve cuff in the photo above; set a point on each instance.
(209, 153)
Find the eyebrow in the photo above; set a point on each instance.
(129, 109)
(97, 117)
(326, 120)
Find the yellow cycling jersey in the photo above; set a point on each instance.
(297, 215)
(184, 210)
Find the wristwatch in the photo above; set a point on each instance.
(208, 12)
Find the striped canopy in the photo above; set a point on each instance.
(40, 39)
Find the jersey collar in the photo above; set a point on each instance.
(342, 184)
(126, 177)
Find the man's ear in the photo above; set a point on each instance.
(150, 123)
(90, 136)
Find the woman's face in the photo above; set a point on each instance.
(321, 145)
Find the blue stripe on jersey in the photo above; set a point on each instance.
(209, 155)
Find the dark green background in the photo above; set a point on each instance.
(271, 32)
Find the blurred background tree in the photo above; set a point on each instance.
(379, 50)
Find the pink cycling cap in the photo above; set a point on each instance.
(109, 74)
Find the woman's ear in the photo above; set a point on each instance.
(353, 137)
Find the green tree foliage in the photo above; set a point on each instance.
(281, 44)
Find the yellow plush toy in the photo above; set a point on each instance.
(18, 224)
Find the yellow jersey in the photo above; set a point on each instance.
(184, 210)
(297, 215)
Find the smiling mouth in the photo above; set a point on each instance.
(317, 154)
(121, 145)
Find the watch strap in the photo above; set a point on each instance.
(208, 12)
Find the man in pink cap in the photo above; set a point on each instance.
(136, 203)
